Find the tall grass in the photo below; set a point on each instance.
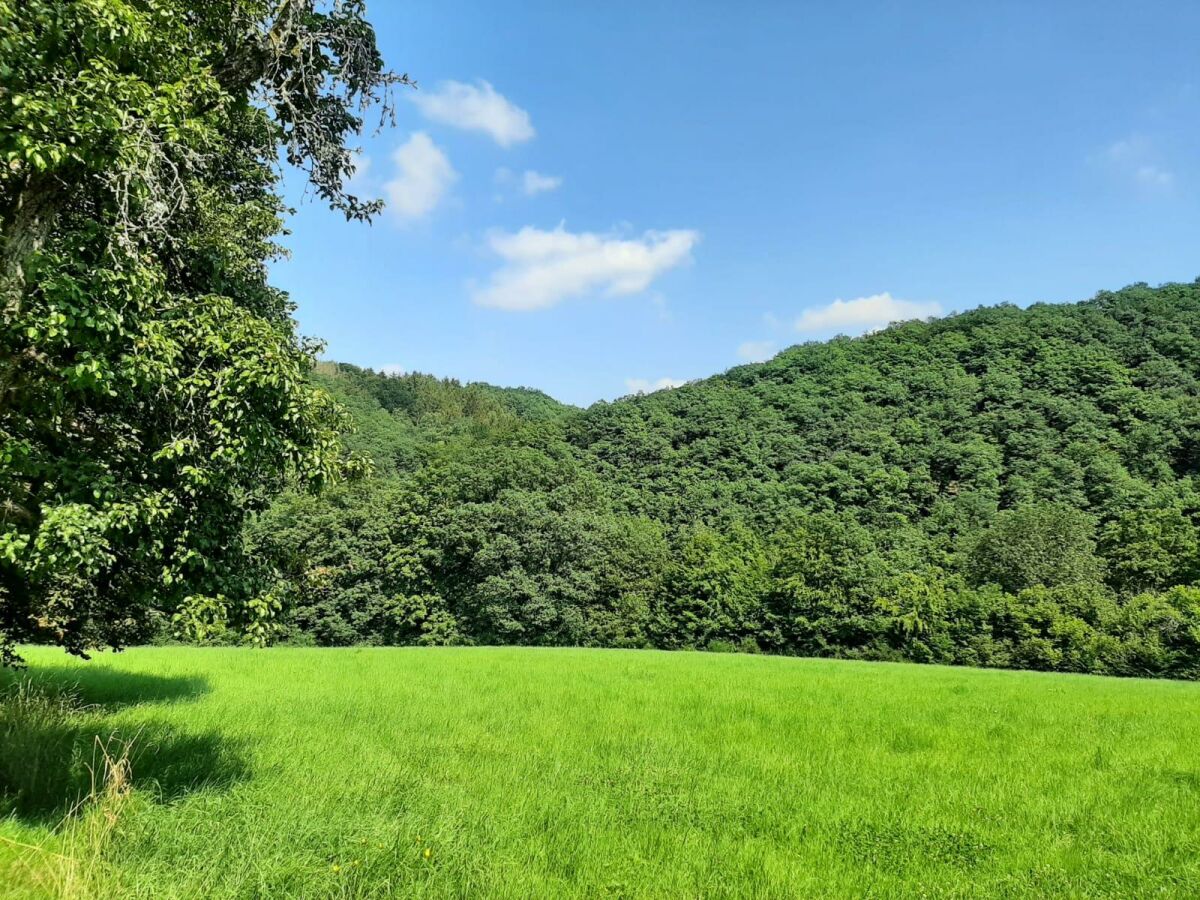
(44, 767)
(38, 730)
(546, 773)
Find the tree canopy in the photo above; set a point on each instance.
(153, 389)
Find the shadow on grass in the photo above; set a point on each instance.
(56, 723)
(96, 684)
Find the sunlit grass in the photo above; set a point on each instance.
(521, 773)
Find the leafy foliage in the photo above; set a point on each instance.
(153, 390)
(1035, 545)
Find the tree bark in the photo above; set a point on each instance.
(24, 227)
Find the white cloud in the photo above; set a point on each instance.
(1136, 158)
(1154, 176)
(543, 268)
(756, 351)
(528, 182)
(535, 182)
(646, 386)
(863, 314)
(423, 175)
(1128, 149)
(476, 107)
(392, 369)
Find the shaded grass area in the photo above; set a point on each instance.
(522, 772)
(57, 724)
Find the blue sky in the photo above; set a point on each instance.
(593, 199)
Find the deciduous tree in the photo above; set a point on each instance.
(153, 389)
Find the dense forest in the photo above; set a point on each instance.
(1003, 487)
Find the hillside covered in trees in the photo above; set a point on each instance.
(1004, 487)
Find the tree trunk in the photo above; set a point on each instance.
(24, 226)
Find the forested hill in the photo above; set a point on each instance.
(399, 417)
(1008, 487)
(1094, 405)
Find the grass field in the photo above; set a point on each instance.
(532, 773)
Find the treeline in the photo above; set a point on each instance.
(1005, 487)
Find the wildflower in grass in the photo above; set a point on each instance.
(428, 853)
(336, 868)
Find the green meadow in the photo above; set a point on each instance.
(546, 772)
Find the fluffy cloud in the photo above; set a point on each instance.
(536, 183)
(423, 175)
(392, 369)
(646, 386)
(476, 107)
(543, 268)
(756, 351)
(528, 182)
(1135, 157)
(1130, 148)
(863, 315)
(1154, 176)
